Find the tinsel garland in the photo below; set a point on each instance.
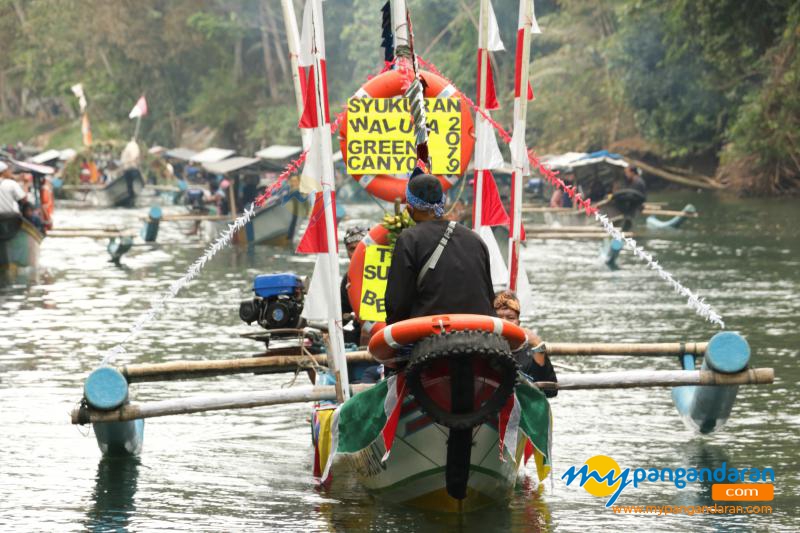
(694, 301)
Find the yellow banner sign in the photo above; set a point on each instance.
(380, 136)
(373, 286)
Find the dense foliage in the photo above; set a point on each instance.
(677, 79)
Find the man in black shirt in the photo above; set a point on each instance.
(459, 281)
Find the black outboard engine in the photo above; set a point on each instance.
(278, 302)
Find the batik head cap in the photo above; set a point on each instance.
(424, 192)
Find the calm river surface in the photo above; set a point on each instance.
(251, 470)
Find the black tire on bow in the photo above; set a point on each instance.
(459, 348)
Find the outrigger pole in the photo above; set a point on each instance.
(706, 379)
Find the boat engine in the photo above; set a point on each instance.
(278, 302)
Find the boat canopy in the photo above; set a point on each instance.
(212, 155)
(32, 167)
(279, 151)
(231, 164)
(184, 154)
(601, 164)
(45, 157)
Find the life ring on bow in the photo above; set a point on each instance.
(355, 273)
(390, 85)
(386, 341)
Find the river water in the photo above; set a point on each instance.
(251, 469)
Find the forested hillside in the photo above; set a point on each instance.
(687, 81)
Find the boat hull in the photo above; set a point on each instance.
(414, 473)
(115, 193)
(273, 224)
(19, 245)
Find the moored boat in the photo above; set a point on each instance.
(19, 244)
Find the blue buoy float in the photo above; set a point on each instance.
(106, 389)
(707, 408)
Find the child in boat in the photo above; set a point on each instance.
(537, 365)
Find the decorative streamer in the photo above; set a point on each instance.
(694, 301)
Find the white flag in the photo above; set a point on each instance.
(495, 42)
(77, 90)
(487, 152)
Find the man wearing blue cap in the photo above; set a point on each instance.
(437, 266)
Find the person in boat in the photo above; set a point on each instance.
(535, 365)
(559, 198)
(11, 193)
(29, 213)
(633, 180)
(455, 280)
(352, 329)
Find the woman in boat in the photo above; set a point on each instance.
(534, 364)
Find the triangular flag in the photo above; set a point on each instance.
(140, 109)
(493, 213)
(495, 42)
(490, 101)
(497, 264)
(315, 305)
(312, 41)
(487, 151)
(314, 240)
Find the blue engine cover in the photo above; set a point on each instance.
(267, 285)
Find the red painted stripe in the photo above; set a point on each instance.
(518, 64)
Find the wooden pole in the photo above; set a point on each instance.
(246, 400)
(519, 154)
(704, 183)
(198, 404)
(177, 370)
(649, 349)
(670, 213)
(658, 378)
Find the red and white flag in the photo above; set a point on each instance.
(312, 40)
(518, 59)
(493, 43)
(314, 240)
(140, 109)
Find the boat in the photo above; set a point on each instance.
(119, 191)
(19, 245)
(451, 429)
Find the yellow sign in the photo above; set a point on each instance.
(380, 136)
(373, 285)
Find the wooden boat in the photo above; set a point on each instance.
(116, 193)
(19, 245)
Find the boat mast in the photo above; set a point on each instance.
(483, 50)
(322, 132)
(518, 149)
(293, 40)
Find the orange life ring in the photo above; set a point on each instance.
(386, 341)
(355, 273)
(390, 85)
